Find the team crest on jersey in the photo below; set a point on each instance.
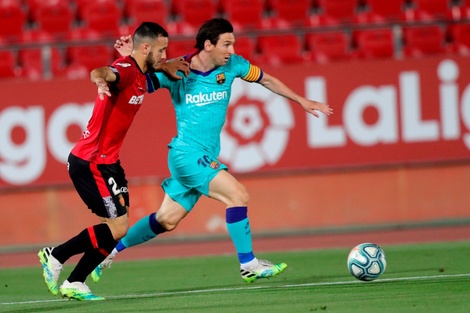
(220, 78)
(122, 202)
(214, 165)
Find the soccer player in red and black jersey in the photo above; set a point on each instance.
(94, 165)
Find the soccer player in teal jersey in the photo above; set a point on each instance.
(200, 101)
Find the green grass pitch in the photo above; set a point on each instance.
(419, 278)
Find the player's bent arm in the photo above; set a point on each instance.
(100, 77)
(102, 74)
(278, 87)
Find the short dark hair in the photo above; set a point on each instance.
(211, 30)
(149, 30)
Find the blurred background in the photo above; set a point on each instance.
(394, 154)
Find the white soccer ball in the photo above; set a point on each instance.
(366, 261)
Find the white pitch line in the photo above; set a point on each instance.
(213, 290)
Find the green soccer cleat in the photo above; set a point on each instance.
(98, 271)
(51, 269)
(264, 269)
(78, 291)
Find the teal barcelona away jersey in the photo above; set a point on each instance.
(201, 100)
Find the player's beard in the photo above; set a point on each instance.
(151, 63)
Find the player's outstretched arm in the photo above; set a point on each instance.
(278, 87)
(100, 77)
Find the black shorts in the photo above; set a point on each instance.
(103, 187)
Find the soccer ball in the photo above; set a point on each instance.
(366, 261)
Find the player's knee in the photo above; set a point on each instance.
(119, 227)
(121, 232)
(168, 221)
(241, 197)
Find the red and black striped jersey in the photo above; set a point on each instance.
(112, 117)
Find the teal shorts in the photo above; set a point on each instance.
(191, 173)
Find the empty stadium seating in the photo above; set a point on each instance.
(429, 10)
(459, 35)
(89, 56)
(103, 16)
(374, 43)
(138, 11)
(246, 14)
(8, 67)
(245, 46)
(290, 13)
(180, 47)
(270, 31)
(37, 63)
(191, 14)
(328, 46)
(280, 49)
(12, 20)
(380, 11)
(423, 40)
(54, 17)
(336, 12)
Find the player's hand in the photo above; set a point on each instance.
(103, 88)
(124, 45)
(172, 66)
(313, 106)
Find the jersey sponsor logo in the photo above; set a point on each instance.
(124, 64)
(202, 99)
(86, 134)
(136, 100)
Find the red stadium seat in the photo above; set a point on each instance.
(280, 49)
(380, 11)
(139, 11)
(374, 43)
(84, 33)
(246, 14)
(103, 16)
(245, 46)
(429, 10)
(191, 14)
(90, 56)
(8, 68)
(32, 63)
(423, 40)
(328, 46)
(460, 38)
(180, 47)
(36, 36)
(342, 11)
(289, 13)
(12, 20)
(462, 11)
(54, 17)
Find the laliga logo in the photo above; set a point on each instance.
(257, 129)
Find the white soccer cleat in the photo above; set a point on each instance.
(263, 269)
(78, 291)
(51, 269)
